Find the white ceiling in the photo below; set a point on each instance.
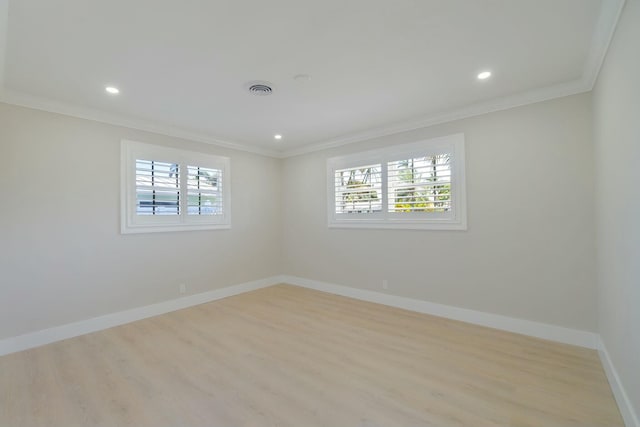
(376, 66)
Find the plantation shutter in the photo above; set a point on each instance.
(204, 191)
(420, 184)
(157, 188)
(358, 189)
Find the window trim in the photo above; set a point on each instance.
(132, 223)
(454, 144)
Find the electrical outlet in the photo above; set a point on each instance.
(385, 284)
(182, 288)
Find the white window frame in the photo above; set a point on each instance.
(131, 222)
(456, 219)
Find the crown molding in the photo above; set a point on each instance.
(610, 11)
(609, 15)
(498, 104)
(52, 106)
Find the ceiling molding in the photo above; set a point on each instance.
(610, 11)
(603, 33)
(4, 31)
(499, 104)
(606, 24)
(38, 103)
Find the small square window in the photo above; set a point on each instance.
(167, 189)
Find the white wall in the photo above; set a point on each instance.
(62, 257)
(529, 249)
(528, 252)
(617, 141)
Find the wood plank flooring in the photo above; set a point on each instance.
(288, 356)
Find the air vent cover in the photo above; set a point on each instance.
(259, 88)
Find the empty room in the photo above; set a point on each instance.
(358, 213)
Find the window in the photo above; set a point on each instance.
(359, 189)
(418, 186)
(167, 189)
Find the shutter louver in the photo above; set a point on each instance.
(412, 186)
(420, 184)
(358, 190)
(204, 191)
(169, 189)
(157, 188)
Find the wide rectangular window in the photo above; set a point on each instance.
(168, 189)
(419, 186)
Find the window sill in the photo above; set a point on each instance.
(400, 225)
(138, 229)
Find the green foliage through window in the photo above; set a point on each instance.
(358, 189)
(420, 184)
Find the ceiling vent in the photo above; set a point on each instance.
(259, 88)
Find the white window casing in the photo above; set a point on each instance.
(169, 189)
(420, 185)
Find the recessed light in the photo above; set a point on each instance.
(277, 136)
(112, 90)
(484, 75)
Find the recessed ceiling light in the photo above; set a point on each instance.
(277, 136)
(484, 75)
(112, 90)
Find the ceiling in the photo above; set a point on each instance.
(375, 66)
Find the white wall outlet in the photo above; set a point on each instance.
(385, 284)
(182, 288)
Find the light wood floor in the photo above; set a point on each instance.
(287, 356)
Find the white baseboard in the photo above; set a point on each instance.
(622, 399)
(496, 321)
(70, 330)
(525, 327)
